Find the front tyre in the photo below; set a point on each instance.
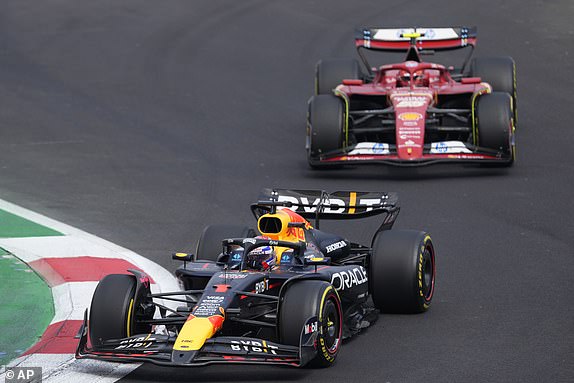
(494, 124)
(325, 127)
(402, 271)
(114, 311)
(312, 299)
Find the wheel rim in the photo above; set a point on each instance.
(428, 268)
(331, 326)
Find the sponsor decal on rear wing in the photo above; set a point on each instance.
(319, 204)
(399, 39)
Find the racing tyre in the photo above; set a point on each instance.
(402, 271)
(312, 299)
(209, 246)
(500, 73)
(331, 73)
(494, 124)
(325, 127)
(114, 310)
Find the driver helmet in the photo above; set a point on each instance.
(420, 79)
(404, 78)
(261, 258)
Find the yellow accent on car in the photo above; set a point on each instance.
(346, 99)
(513, 146)
(193, 334)
(128, 327)
(410, 116)
(513, 128)
(326, 354)
(412, 35)
(352, 202)
(486, 89)
(274, 226)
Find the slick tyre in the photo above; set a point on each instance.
(500, 73)
(402, 271)
(331, 73)
(312, 299)
(112, 309)
(209, 246)
(326, 126)
(494, 124)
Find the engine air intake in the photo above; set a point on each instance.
(270, 225)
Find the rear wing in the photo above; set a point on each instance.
(318, 204)
(399, 39)
(415, 41)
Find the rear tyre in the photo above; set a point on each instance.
(500, 73)
(303, 301)
(402, 271)
(114, 310)
(494, 124)
(325, 127)
(331, 73)
(210, 245)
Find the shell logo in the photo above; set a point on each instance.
(410, 116)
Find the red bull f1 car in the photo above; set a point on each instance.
(413, 112)
(287, 295)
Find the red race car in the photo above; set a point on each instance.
(413, 112)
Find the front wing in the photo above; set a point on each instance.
(158, 349)
(432, 154)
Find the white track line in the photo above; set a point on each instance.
(72, 298)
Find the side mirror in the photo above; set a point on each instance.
(470, 80)
(352, 82)
(184, 257)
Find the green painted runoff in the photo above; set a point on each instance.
(27, 307)
(13, 226)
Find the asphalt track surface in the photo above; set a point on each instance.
(143, 121)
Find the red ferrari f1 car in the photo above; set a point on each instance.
(287, 296)
(413, 112)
